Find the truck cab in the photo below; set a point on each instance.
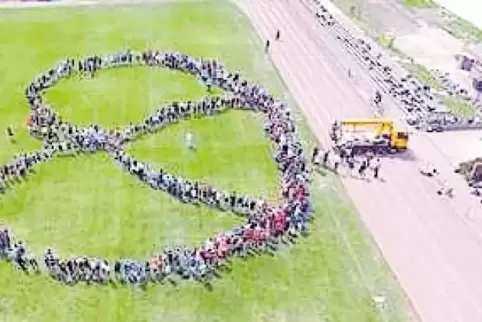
(400, 140)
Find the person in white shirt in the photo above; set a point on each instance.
(190, 141)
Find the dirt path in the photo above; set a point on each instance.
(433, 251)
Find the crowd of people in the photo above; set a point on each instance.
(424, 108)
(343, 158)
(266, 225)
(450, 86)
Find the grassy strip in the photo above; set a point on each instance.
(460, 107)
(419, 3)
(461, 28)
(423, 75)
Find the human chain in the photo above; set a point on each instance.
(266, 225)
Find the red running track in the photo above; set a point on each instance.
(435, 254)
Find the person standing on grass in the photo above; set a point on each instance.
(10, 134)
(326, 155)
(266, 46)
(314, 154)
(4, 242)
(189, 137)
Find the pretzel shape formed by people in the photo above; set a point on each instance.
(266, 225)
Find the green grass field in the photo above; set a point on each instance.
(89, 206)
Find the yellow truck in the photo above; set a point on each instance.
(370, 135)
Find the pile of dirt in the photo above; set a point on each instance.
(471, 170)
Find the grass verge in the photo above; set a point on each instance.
(419, 3)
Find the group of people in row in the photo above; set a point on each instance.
(358, 166)
(266, 225)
